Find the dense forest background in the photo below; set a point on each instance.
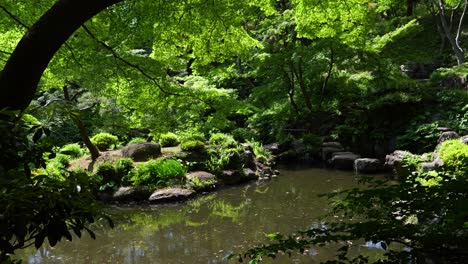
(375, 76)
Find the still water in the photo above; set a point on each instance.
(210, 227)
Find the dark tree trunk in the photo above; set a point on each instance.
(24, 68)
(81, 128)
(409, 7)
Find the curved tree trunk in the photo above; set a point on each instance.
(23, 71)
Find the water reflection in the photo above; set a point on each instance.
(208, 228)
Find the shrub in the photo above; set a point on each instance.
(168, 140)
(103, 141)
(73, 150)
(259, 151)
(124, 169)
(56, 165)
(107, 176)
(222, 140)
(312, 143)
(243, 134)
(159, 173)
(454, 153)
(191, 136)
(136, 140)
(193, 145)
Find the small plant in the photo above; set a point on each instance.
(124, 169)
(104, 141)
(223, 140)
(259, 151)
(201, 185)
(169, 140)
(73, 150)
(454, 154)
(107, 176)
(56, 165)
(193, 145)
(410, 163)
(136, 140)
(159, 173)
(191, 136)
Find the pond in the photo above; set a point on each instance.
(210, 227)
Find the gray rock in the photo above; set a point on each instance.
(131, 194)
(201, 175)
(464, 139)
(230, 177)
(428, 166)
(248, 159)
(247, 147)
(142, 151)
(447, 136)
(235, 161)
(273, 148)
(393, 161)
(170, 194)
(344, 161)
(327, 152)
(250, 174)
(367, 165)
(332, 145)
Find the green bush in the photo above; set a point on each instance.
(107, 176)
(136, 140)
(124, 169)
(73, 150)
(168, 140)
(159, 173)
(191, 136)
(193, 145)
(243, 134)
(454, 154)
(223, 140)
(259, 151)
(56, 165)
(103, 141)
(312, 143)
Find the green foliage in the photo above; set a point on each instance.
(39, 207)
(191, 135)
(73, 150)
(219, 160)
(312, 143)
(410, 163)
(244, 134)
(259, 151)
(107, 176)
(56, 167)
(136, 140)
(124, 169)
(169, 140)
(454, 154)
(193, 145)
(196, 184)
(223, 140)
(159, 173)
(104, 141)
(451, 77)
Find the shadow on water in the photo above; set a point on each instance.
(209, 228)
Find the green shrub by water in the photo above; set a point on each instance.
(454, 154)
(222, 140)
(136, 140)
(124, 169)
(193, 145)
(104, 141)
(159, 173)
(169, 140)
(73, 150)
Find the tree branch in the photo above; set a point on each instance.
(126, 62)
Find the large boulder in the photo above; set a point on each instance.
(170, 195)
(343, 160)
(393, 161)
(131, 194)
(329, 148)
(367, 165)
(250, 174)
(273, 148)
(464, 139)
(230, 177)
(447, 135)
(248, 159)
(142, 151)
(428, 166)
